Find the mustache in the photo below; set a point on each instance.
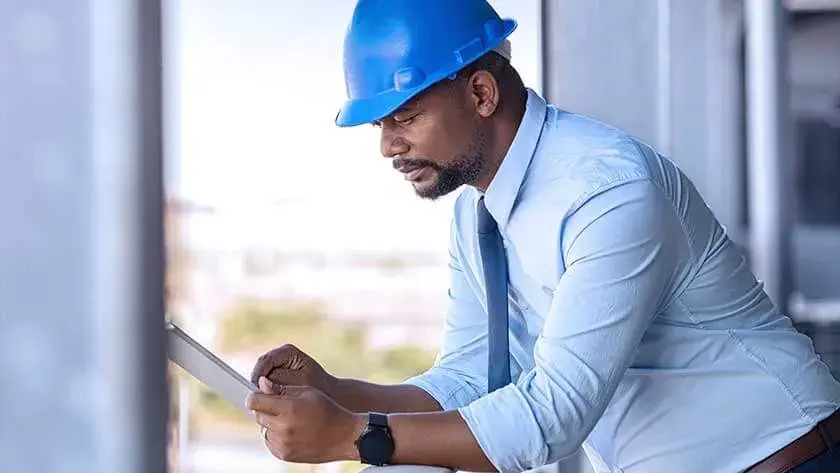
(413, 162)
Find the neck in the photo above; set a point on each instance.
(502, 130)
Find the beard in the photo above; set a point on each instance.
(463, 170)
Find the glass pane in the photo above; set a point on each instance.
(818, 157)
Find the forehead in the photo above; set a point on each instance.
(441, 96)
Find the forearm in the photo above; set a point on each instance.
(361, 396)
(434, 439)
(439, 439)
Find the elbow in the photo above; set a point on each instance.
(560, 441)
(535, 422)
(565, 414)
(561, 450)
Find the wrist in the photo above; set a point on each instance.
(335, 387)
(356, 424)
(375, 444)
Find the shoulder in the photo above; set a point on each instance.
(577, 160)
(578, 157)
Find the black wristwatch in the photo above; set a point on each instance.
(375, 444)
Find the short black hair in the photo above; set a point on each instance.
(502, 70)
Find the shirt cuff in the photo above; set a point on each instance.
(446, 387)
(490, 419)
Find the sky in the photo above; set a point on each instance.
(253, 87)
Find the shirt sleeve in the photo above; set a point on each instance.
(458, 375)
(624, 251)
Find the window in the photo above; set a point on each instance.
(814, 72)
(818, 184)
(293, 230)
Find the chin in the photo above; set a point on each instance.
(426, 190)
(430, 192)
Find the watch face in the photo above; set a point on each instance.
(376, 446)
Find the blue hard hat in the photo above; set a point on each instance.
(395, 49)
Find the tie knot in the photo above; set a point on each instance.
(486, 222)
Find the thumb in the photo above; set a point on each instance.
(284, 390)
(268, 387)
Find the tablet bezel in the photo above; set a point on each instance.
(208, 368)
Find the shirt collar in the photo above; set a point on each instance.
(504, 188)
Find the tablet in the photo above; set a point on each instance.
(208, 368)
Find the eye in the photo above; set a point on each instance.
(405, 120)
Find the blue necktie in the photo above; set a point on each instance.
(496, 285)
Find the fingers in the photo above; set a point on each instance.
(287, 377)
(280, 357)
(274, 399)
(265, 420)
(266, 404)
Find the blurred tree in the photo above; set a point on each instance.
(401, 362)
(258, 326)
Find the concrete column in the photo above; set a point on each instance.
(82, 358)
(769, 146)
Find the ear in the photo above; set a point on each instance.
(484, 92)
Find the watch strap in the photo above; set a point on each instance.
(377, 419)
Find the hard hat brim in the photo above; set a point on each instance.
(362, 111)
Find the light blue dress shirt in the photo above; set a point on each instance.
(637, 329)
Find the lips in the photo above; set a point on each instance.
(414, 173)
(406, 168)
(411, 170)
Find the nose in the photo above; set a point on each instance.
(391, 144)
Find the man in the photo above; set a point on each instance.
(594, 301)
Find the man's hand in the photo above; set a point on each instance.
(289, 366)
(304, 425)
